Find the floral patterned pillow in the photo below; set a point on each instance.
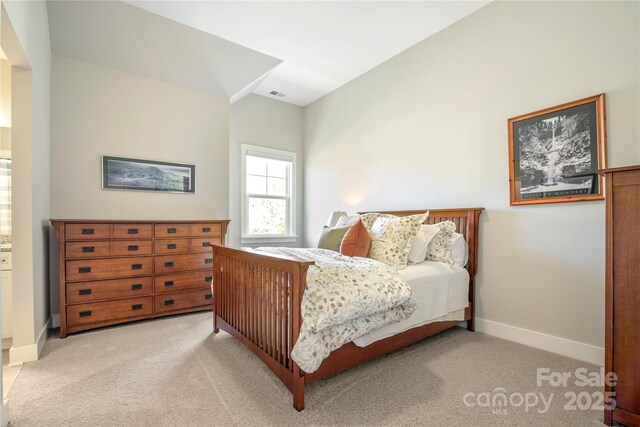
(440, 246)
(350, 220)
(392, 237)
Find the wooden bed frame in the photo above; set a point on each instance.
(258, 296)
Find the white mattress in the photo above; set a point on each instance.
(442, 294)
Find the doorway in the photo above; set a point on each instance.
(25, 230)
(9, 372)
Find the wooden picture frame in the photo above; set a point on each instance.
(555, 153)
(122, 173)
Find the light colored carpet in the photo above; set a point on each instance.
(176, 372)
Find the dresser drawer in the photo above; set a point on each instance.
(108, 289)
(132, 231)
(111, 310)
(171, 230)
(130, 247)
(203, 245)
(171, 246)
(205, 229)
(87, 231)
(182, 281)
(93, 269)
(167, 264)
(182, 300)
(87, 249)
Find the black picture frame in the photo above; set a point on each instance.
(123, 173)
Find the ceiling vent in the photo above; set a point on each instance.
(276, 93)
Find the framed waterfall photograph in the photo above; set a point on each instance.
(555, 153)
(120, 173)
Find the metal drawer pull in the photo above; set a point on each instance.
(168, 264)
(88, 231)
(169, 302)
(85, 313)
(132, 247)
(136, 266)
(208, 296)
(136, 307)
(172, 246)
(84, 270)
(86, 249)
(133, 231)
(171, 230)
(208, 260)
(206, 229)
(206, 244)
(84, 291)
(168, 283)
(136, 286)
(208, 278)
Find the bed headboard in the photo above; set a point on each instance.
(466, 220)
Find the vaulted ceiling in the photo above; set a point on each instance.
(302, 50)
(119, 36)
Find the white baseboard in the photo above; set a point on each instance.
(30, 352)
(7, 343)
(23, 354)
(55, 321)
(576, 350)
(4, 414)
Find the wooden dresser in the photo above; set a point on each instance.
(622, 300)
(118, 271)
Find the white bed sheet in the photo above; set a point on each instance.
(442, 293)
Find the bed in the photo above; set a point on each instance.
(258, 300)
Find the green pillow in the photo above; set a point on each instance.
(331, 238)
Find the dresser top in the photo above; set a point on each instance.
(620, 169)
(137, 221)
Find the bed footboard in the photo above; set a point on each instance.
(257, 299)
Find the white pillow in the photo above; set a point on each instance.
(418, 251)
(459, 249)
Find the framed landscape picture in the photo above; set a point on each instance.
(148, 175)
(555, 153)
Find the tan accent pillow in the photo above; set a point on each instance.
(331, 238)
(357, 241)
(392, 237)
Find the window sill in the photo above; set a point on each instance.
(270, 239)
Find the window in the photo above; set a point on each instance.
(268, 204)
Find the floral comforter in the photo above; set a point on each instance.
(345, 298)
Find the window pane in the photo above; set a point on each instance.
(256, 184)
(267, 216)
(277, 186)
(277, 168)
(256, 166)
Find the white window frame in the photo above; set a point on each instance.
(271, 153)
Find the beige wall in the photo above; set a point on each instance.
(258, 120)
(25, 40)
(97, 111)
(428, 128)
